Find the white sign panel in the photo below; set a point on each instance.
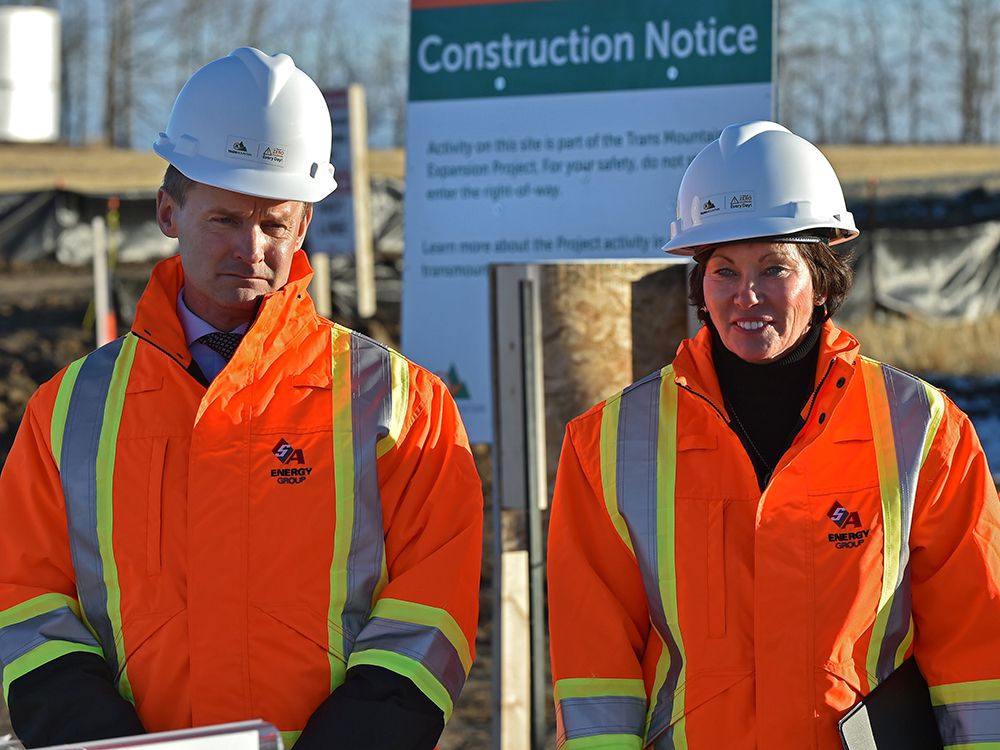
(542, 131)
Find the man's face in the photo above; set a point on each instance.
(234, 248)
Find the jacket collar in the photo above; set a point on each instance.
(279, 319)
(694, 368)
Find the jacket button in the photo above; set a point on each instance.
(840, 382)
(822, 418)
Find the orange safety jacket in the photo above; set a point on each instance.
(232, 550)
(688, 609)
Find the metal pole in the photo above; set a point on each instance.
(537, 494)
(319, 287)
(364, 260)
(102, 284)
(520, 493)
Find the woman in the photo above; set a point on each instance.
(746, 543)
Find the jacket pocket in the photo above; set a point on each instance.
(306, 624)
(141, 630)
(839, 686)
(154, 506)
(715, 561)
(699, 690)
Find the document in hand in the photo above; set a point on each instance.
(896, 715)
(243, 735)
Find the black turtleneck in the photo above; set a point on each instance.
(765, 401)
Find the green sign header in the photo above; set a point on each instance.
(560, 46)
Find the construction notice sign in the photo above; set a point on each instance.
(542, 131)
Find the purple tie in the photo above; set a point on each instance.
(223, 343)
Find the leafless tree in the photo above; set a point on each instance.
(916, 36)
(881, 77)
(75, 55)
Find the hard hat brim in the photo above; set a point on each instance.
(692, 240)
(250, 181)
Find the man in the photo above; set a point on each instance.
(239, 509)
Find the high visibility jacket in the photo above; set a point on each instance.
(232, 550)
(689, 609)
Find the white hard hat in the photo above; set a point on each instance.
(253, 124)
(758, 180)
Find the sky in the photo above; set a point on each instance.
(849, 66)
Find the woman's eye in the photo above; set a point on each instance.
(775, 270)
(727, 272)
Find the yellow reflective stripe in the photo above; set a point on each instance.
(936, 401)
(609, 466)
(290, 738)
(679, 731)
(888, 477)
(42, 654)
(38, 605)
(400, 402)
(666, 553)
(974, 746)
(604, 742)
(104, 481)
(58, 427)
(431, 617)
(904, 646)
(343, 463)
(410, 668)
(582, 687)
(965, 692)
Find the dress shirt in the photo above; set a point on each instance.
(209, 360)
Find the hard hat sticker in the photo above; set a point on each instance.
(740, 201)
(726, 202)
(273, 155)
(709, 206)
(238, 148)
(245, 149)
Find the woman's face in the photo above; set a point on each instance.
(760, 298)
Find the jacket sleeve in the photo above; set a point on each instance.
(56, 683)
(423, 624)
(955, 564)
(598, 618)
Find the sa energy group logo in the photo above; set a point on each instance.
(288, 455)
(846, 519)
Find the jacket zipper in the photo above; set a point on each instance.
(729, 424)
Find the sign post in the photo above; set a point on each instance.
(342, 221)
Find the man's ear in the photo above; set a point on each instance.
(166, 213)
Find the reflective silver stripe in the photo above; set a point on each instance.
(57, 625)
(371, 412)
(78, 474)
(969, 723)
(910, 414)
(605, 714)
(637, 502)
(429, 646)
